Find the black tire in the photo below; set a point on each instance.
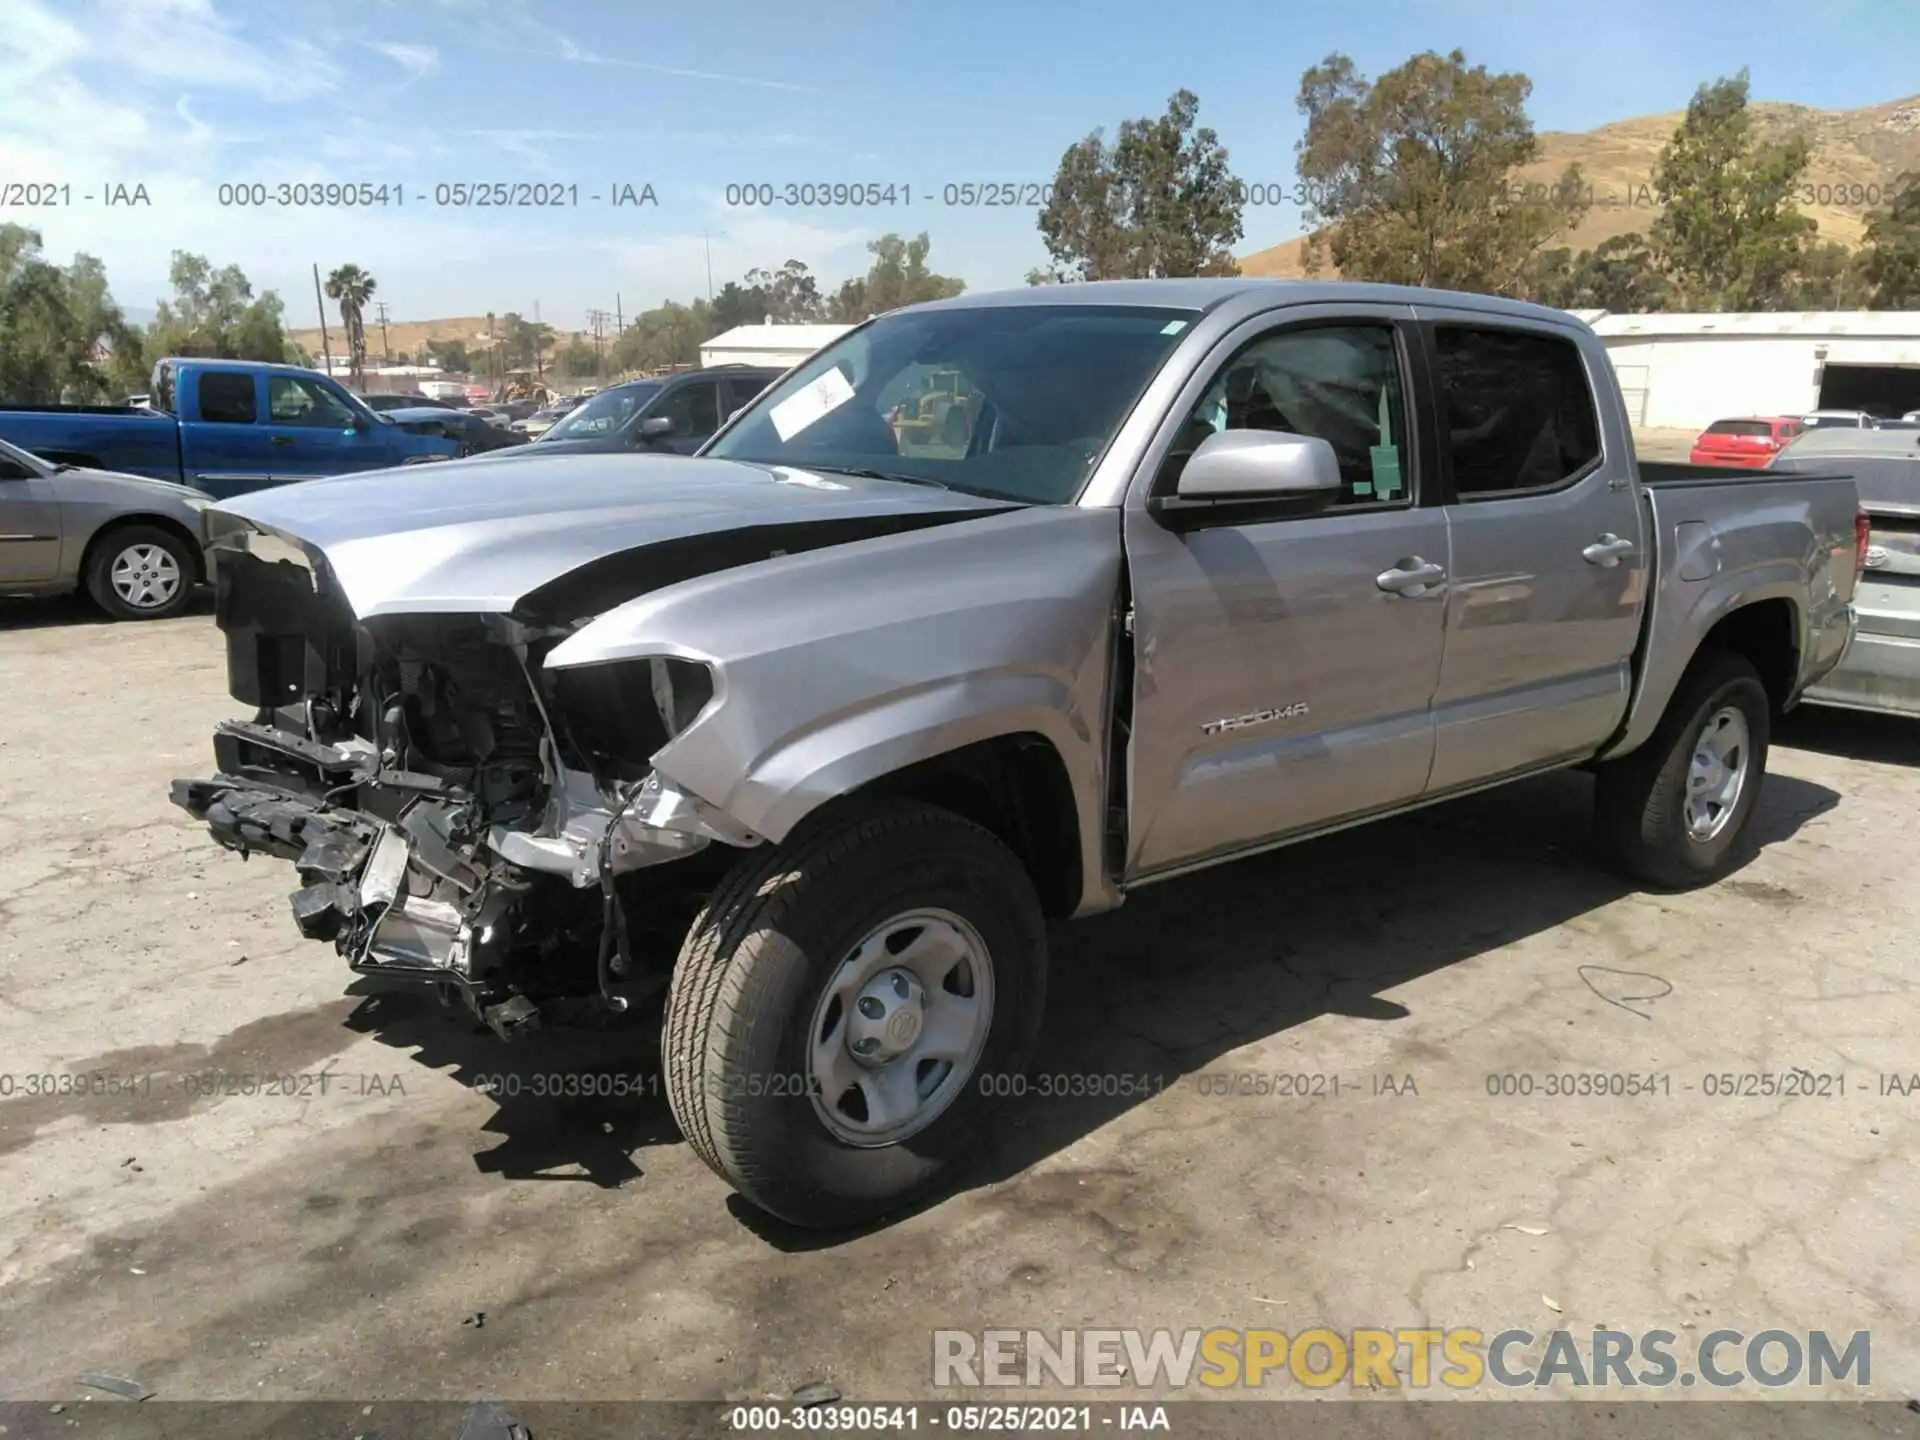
(125, 540)
(756, 964)
(1640, 799)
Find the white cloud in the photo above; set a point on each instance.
(575, 55)
(676, 266)
(418, 61)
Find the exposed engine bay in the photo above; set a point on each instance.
(456, 816)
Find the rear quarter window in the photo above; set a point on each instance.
(226, 397)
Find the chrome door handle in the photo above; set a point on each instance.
(1607, 551)
(1412, 576)
(280, 439)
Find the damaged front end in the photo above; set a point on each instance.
(457, 816)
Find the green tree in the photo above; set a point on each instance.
(450, 355)
(898, 276)
(1890, 256)
(1830, 276)
(214, 314)
(1729, 236)
(524, 343)
(1618, 275)
(738, 304)
(1159, 201)
(1413, 177)
(576, 359)
(670, 334)
(351, 288)
(792, 294)
(62, 336)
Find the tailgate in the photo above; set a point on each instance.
(1889, 597)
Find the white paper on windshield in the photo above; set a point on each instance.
(811, 402)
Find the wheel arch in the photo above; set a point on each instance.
(1762, 620)
(119, 523)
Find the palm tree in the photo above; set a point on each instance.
(352, 287)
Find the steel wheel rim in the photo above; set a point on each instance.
(1717, 773)
(145, 577)
(914, 998)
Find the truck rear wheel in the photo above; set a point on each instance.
(1675, 812)
(846, 1008)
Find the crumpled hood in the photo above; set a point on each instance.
(478, 536)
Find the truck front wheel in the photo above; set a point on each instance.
(1675, 812)
(849, 1008)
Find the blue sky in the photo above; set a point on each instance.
(183, 95)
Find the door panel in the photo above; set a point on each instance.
(29, 529)
(311, 432)
(1549, 559)
(224, 449)
(1282, 680)
(1235, 623)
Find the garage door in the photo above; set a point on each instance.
(1633, 391)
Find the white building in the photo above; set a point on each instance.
(1686, 371)
(779, 345)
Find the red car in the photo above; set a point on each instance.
(1750, 443)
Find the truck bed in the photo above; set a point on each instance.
(1722, 538)
(1669, 474)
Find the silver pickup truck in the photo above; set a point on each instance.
(810, 735)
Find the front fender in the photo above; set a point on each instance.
(806, 770)
(837, 666)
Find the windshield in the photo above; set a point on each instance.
(25, 460)
(1015, 402)
(603, 414)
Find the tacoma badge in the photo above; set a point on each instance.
(1258, 717)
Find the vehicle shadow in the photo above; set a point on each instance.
(1851, 734)
(29, 614)
(1191, 970)
(1184, 973)
(570, 1105)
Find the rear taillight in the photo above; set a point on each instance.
(1862, 532)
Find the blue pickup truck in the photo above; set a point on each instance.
(225, 427)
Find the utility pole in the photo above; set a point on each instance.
(326, 345)
(597, 319)
(709, 239)
(386, 350)
(619, 325)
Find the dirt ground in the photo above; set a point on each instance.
(344, 1244)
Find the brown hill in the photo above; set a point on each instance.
(408, 337)
(1859, 157)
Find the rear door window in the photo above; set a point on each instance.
(742, 389)
(694, 409)
(226, 397)
(1518, 411)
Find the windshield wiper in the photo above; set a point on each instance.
(860, 474)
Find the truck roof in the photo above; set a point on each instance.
(271, 365)
(1205, 293)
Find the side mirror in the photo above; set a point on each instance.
(656, 426)
(1235, 470)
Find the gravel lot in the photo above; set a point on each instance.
(341, 1245)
